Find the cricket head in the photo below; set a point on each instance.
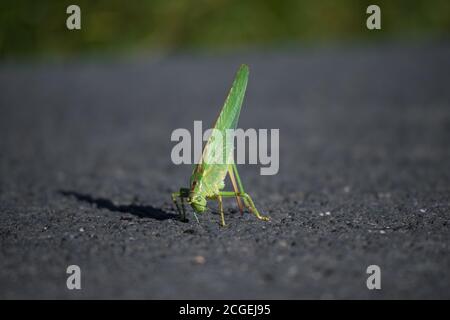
(197, 202)
(196, 199)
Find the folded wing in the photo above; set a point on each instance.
(218, 152)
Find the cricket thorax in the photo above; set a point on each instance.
(202, 185)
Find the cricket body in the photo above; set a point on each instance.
(207, 179)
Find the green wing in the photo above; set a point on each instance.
(209, 175)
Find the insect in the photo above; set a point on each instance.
(207, 179)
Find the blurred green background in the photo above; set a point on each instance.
(38, 28)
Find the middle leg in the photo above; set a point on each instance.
(222, 217)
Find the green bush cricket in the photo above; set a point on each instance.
(207, 179)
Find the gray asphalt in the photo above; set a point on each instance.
(86, 176)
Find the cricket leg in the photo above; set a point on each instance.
(235, 187)
(241, 187)
(180, 210)
(175, 196)
(183, 208)
(222, 217)
(253, 208)
(248, 200)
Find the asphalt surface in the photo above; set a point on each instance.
(86, 176)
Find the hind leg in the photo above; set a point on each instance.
(252, 207)
(247, 200)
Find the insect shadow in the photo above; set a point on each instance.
(137, 210)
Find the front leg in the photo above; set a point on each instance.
(181, 209)
(175, 196)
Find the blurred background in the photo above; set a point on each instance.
(37, 28)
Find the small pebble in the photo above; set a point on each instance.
(292, 271)
(386, 195)
(321, 214)
(283, 243)
(199, 259)
(328, 213)
(81, 229)
(423, 210)
(382, 231)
